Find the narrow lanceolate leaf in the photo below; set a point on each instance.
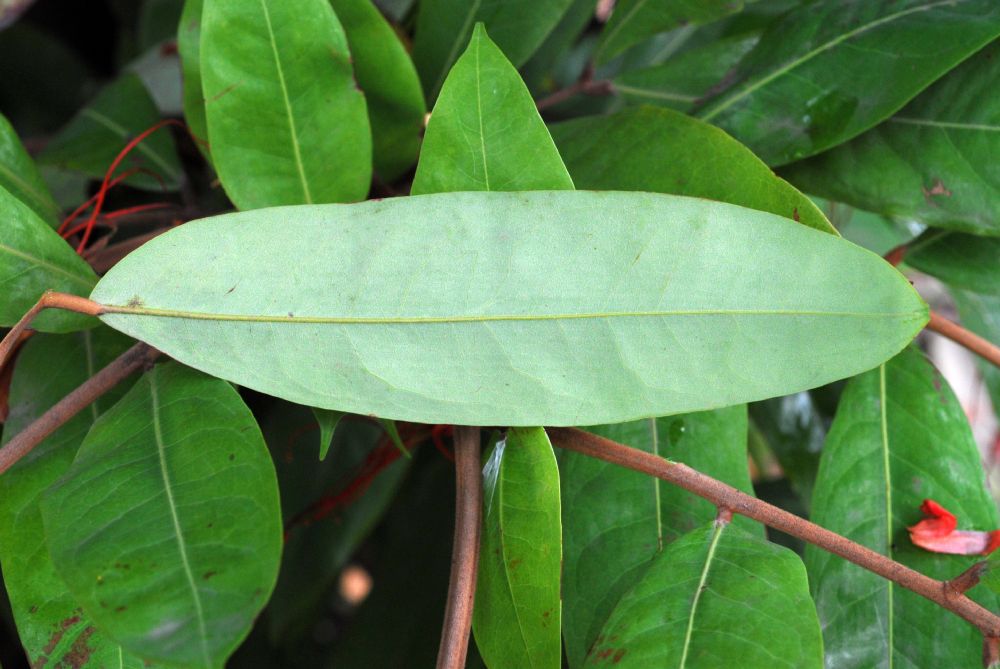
(963, 261)
(659, 150)
(636, 20)
(20, 177)
(830, 70)
(286, 122)
(392, 88)
(91, 141)
(189, 49)
(485, 132)
(33, 259)
(686, 78)
(933, 162)
(327, 421)
(50, 624)
(615, 520)
(167, 527)
(536, 284)
(899, 437)
(518, 609)
(444, 26)
(716, 597)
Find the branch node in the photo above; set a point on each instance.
(966, 580)
(991, 652)
(723, 516)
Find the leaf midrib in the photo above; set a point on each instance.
(716, 535)
(44, 263)
(29, 188)
(884, 425)
(123, 133)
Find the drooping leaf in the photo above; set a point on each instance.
(715, 597)
(635, 20)
(33, 259)
(328, 421)
(167, 528)
(794, 431)
(392, 89)
(51, 626)
(329, 509)
(830, 70)
(964, 261)
(189, 48)
(616, 520)
(932, 162)
(286, 122)
(650, 149)
(20, 177)
(393, 433)
(577, 301)
(899, 437)
(981, 314)
(91, 141)
(485, 132)
(518, 609)
(444, 27)
(684, 79)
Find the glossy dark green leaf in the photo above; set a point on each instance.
(518, 609)
(964, 261)
(616, 520)
(716, 597)
(90, 142)
(830, 70)
(540, 71)
(438, 294)
(876, 233)
(794, 431)
(50, 624)
(189, 48)
(167, 527)
(485, 132)
(649, 149)
(932, 162)
(328, 421)
(317, 548)
(286, 121)
(684, 79)
(444, 27)
(392, 89)
(899, 437)
(33, 259)
(20, 177)
(981, 314)
(635, 20)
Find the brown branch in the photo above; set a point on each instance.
(465, 552)
(896, 254)
(131, 360)
(971, 341)
(48, 300)
(725, 496)
(585, 86)
(991, 652)
(968, 579)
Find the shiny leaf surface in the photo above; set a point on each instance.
(167, 528)
(899, 437)
(518, 610)
(20, 177)
(830, 70)
(964, 261)
(485, 132)
(649, 149)
(616, 288)
(286, 122)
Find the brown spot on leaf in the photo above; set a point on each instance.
(619, 654)
(515, 563)
(209, 574)
(79, 653)
(134, 302)
(795, 214)
(937, 189)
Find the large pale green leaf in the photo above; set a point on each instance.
(20, 177)
(189, 49)
(964, 261)
(830, 70)
(91, 141)
(286, 122)
(636, 20)
(716, 597)
(529, 308)
(485, 132)
(900, 436)
(444, 26)
(683, 80)
(616, 520)
(166, 528)
(33, 259)
(660, 150)
(933, 162)
(392, 89)
(51, 626)
(518, 609)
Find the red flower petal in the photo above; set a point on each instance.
(937, 533)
